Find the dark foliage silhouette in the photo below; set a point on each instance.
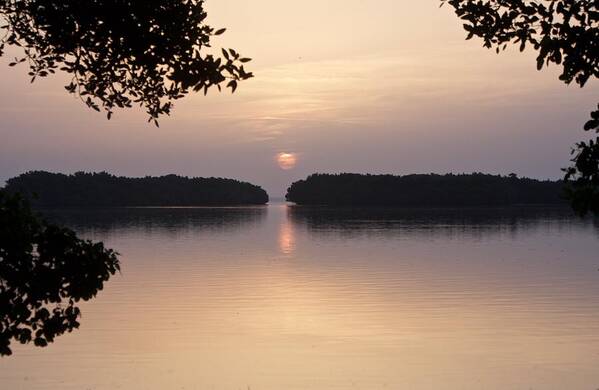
(119, 52)
(564, 33)
(81, 189)
(45, 270)
(584, 175)
(473, 190)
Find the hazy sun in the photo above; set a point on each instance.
(286, 160)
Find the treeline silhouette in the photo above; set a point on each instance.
(463, 190)
(45, 189)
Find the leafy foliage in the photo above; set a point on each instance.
(423, 190)
(564, 33)
(105, 190)
(45, 270)
(583, 177)
(121, 52)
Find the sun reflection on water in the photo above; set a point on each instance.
(286, 237)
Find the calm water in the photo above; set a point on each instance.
(278, 298)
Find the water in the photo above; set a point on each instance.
(284, 298)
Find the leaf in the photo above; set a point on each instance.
(540, 63)
(40, 342)
(233, 85)
(592, 124)
(219, 32)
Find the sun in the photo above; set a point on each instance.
(286, 161)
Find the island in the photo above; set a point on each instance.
(56, 190)
(424, 190)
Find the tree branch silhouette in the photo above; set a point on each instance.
(45, 270)
(121, 53)
(563, 33)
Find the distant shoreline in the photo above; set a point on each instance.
(101, 190)
(425, 191)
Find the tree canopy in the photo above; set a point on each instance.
(562, 32)
(466, 190)
(45, 189)
(121, 52)
(45, 270)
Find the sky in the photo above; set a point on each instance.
(389, 86)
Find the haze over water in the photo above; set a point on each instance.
(283, 297)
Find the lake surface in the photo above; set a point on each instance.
(282, 298)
